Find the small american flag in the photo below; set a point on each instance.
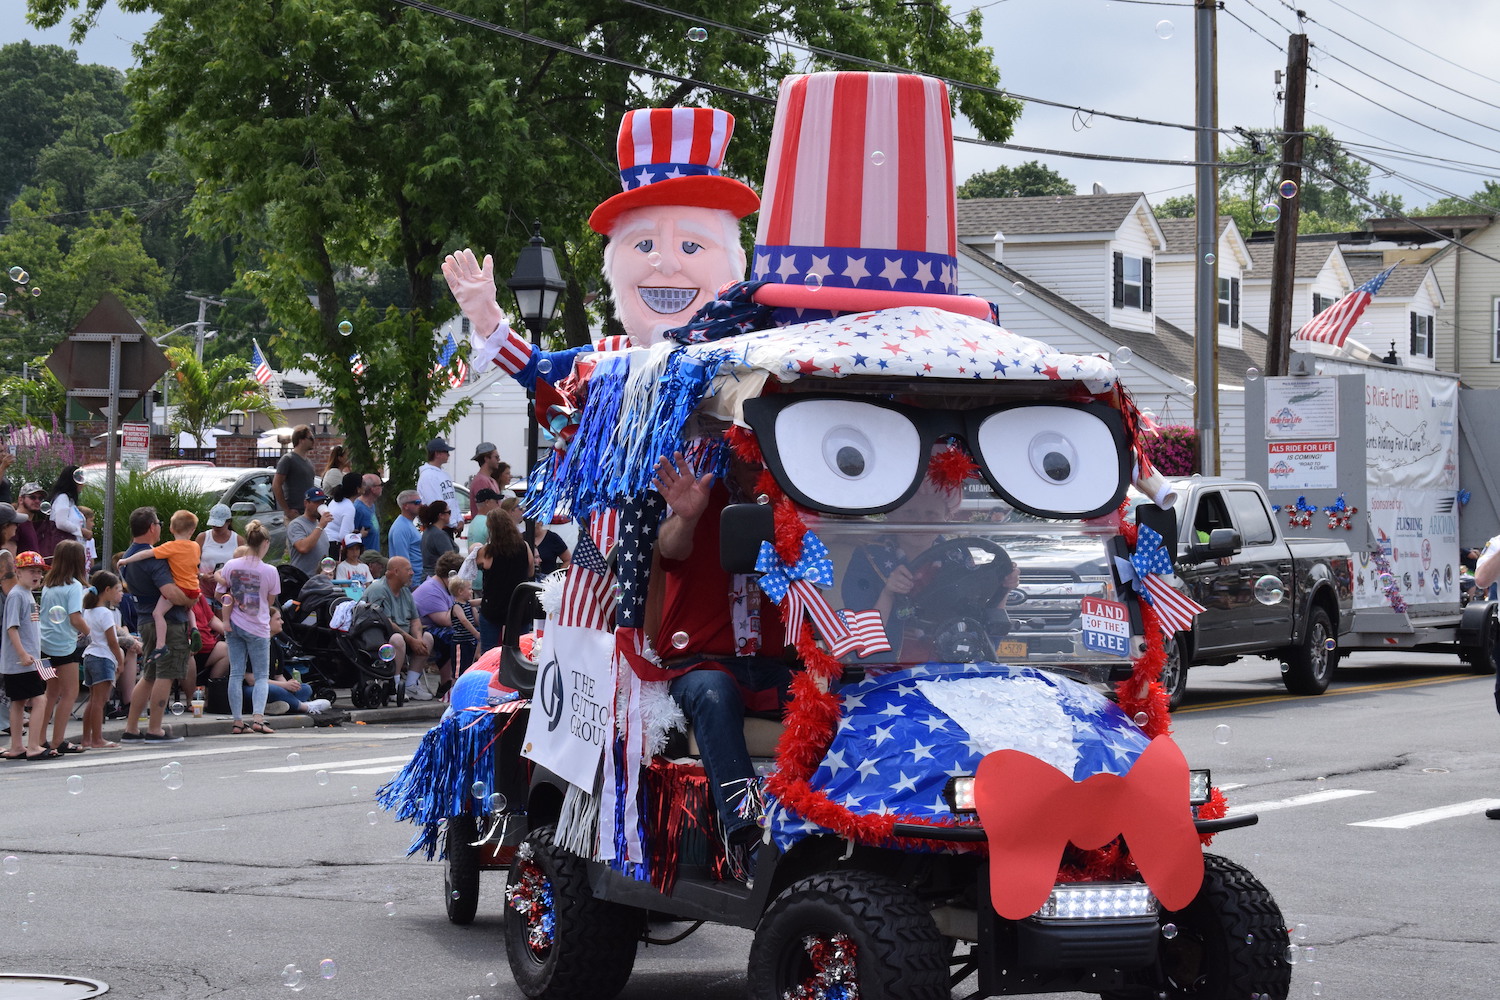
(588, 588)
(1175, 608)
(44, 668)
(356, 365)
(868, 630)
(260, 367)
(1332, 325)
(460, 372)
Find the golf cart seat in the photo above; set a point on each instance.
(761, 736)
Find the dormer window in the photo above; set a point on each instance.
(1132, 282)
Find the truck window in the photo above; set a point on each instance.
(1254, 521)
(1211, 514)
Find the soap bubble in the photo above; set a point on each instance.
(15, 273)
(291, 976)
(1141, 718)
(654, 259)
(327, 564)
(4, 298)
(177, 708)
(31, 897)
(327, 969)
(173, 781)
(1124, 355)
(294, 758)
(173, 863)
(25, 926)
(354, 791)
(1209, 259)
(1251, 374)
(1310, 953)
(12, 864)
(1292, 954)
(679, 640)
(387, 652)
(543, 365)
(454, 894)
(1317, 988)
(813, 281)
(1169, 931)
(490, 979)
(697, 34)
(1270, 762)
(35, 291)
(46, 507)
(1270, 211)
(1300, 932)
(877, 158)
(1288, 189)
(390, 909)
(75, 784)
(322, 777)
(763, 499)
(479, 790)
(21, 278)
(1165, 30)
(1221, 734)
(1249, 938)
(166, 770)
(497, 802)
(346, 328)
(78, 477)
(1018, 289)
(56, 615)
(1191, 390)
(1330, 644)
(372, 817)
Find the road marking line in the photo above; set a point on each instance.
(329, 765)
(372, 770)
(1331, 692)
(1311, 798)
(129, 755)
(1230, 786)
(1405, 821)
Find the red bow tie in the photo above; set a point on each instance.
(1031, 811)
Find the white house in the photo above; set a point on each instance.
(1320, 278)
(1176, 276)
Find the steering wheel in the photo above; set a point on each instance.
(946, 587)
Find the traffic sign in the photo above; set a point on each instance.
(81, 362)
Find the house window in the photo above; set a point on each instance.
(1132, 282)
(1421, 335)
(1320, 303)
(1229, 302)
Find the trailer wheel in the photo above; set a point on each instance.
(461, 870)
(1481, 658)
(858, 932)
(1174, 672)
(1310, 666)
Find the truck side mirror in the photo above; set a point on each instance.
(1222, 543)
(742, 527)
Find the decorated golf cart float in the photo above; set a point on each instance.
(954, 789)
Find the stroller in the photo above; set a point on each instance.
(336, 658)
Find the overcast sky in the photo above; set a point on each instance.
(1136, 58)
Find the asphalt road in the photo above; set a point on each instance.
(1372, 834)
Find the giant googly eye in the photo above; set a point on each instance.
(839, 455)
(1056, 461)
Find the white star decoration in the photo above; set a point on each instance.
(644, 177)
(788, 266)
(924, 273)
(893, 272)
(672, 174)
(820, 266)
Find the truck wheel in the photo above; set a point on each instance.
(893, 948)
(1174, 672)
(461, 870)
(562, 943)
(1228, 943)
(1481, 658)
(1309, 667)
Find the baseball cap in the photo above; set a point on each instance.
(31, 488)
(315, 494)
(30, 560)
(354, 539)
(438, 444)
(9, 515)
(487, 494)
(219, 515)
(485, 447)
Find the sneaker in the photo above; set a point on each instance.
(416, 692)
(164, 737)
(1492, 814)
(318, 705)
(132, 737)
(277, 708)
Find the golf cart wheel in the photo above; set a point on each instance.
(858, 930)
(1174, 671)
(1227, 944)
(562, 943)
(1310, 666)
(461, 870)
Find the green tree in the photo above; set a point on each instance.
(45, 398)
(1028, 180)
(1485, 200)
(204, 393)
(1331, 197)
(336, 136)
(1182, 206)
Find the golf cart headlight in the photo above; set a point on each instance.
(960, 793)
(1199, 785)
(1097, 901)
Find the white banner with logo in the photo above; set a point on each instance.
(1417, 531)
(572, 703)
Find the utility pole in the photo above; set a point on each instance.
(1206, 273)
(1284, 264)
(199, 335)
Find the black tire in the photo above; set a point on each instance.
(461, 870)
(900, 954)
(1174, 672)
(1230, 942)
(358, 696)
(592, 950)
(1481, 658)
(327, 692)
(1310, 666)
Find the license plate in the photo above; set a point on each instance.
(1010, 648)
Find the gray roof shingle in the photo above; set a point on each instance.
(1079, 213)
(1182, 234)
(1311, 256)
(1404, 282)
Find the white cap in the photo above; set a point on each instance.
(355, 539)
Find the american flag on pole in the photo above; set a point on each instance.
(260, 367)
(1332, 325)
(356, 365)
(588, 597)
(460, 373)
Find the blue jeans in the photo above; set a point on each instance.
(254, 651)
(489, 634)
(293, 699)
(710, 698)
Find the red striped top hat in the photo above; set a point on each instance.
(859, 209)
(671, 156)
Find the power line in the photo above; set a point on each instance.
(1107, 157)
(1408, 41)
(1251, 28)
(1415, 121)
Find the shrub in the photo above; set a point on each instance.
(139, 490)
(41, 454)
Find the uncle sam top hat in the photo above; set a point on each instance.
(858, 210)
(672, 156)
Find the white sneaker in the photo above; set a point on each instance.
(318, 705)
(417, 692)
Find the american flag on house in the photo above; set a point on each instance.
(260, 368)
(460, 372)
(1333, 325)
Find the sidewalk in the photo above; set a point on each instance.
(217, 725)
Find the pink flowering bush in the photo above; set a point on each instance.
(1174, 450)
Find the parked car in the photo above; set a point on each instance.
(247, 491)
(94, 472)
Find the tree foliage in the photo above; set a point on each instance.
(204, 393)
(332, 137)
(1485, 200)
(1027, 180)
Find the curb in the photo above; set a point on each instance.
(219, 725)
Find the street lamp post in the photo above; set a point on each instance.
(538, 286)
(325, 417)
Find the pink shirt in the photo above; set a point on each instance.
(254, 585)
